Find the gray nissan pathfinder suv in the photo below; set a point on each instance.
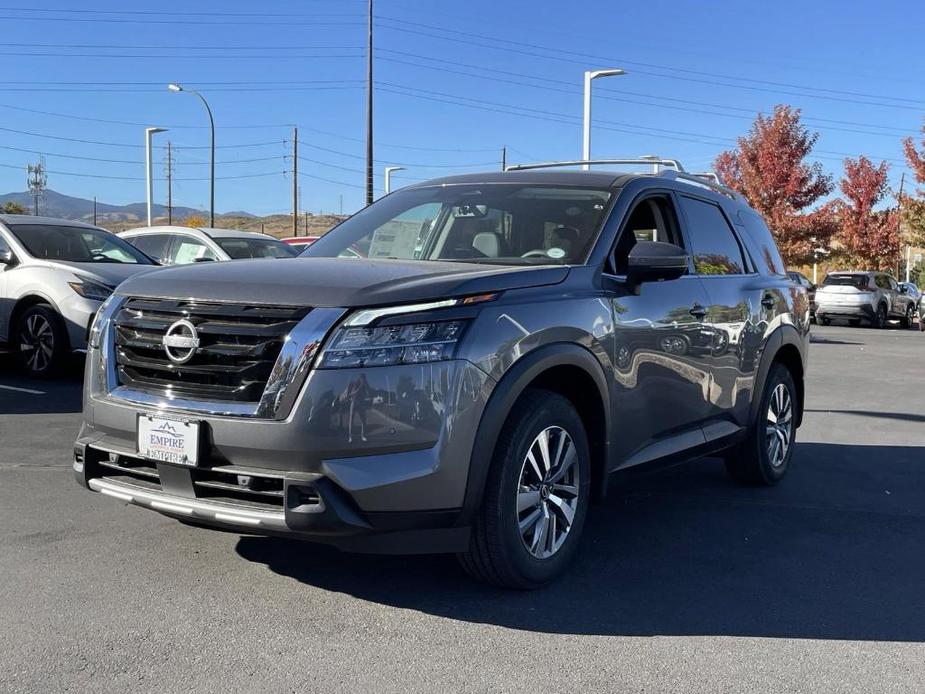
(457, 368)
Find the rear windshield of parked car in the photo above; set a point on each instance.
(76, 244)
(492, 223)
(239, 249)
(856, 281)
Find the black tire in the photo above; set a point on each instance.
(750, 462)
(922, 324)
(854, 322)
(907, 320)
(880, 319)
(41, 341)
(824, 320)
(498, 552)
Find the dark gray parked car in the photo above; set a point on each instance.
(465, 380)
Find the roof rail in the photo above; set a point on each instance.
(673, 170)
(642, 161)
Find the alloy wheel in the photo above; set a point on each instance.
(779, 426)
(37, 343)
(548, 492)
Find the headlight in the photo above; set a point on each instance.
(414, 343)
(106, 312)
(91, 290)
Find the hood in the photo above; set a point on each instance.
(333, 282)
(110, 274)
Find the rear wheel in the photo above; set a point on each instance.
(763, 458)
(880, 317)
(854, 322)
(536, 496)
(909, 318)
(41, 341)
(824, 320)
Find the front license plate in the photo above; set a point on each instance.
(168, 440)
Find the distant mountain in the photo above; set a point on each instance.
(54, 204)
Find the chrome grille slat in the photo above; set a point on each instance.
(239, 345)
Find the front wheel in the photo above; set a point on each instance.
(536, 496)
(41, 340)
(908, 319)
(763, 458)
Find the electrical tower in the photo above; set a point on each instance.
(37, 180)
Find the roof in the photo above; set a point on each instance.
(205, 231)
(49, 221)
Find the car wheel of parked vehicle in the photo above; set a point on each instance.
(909, 318)
(854, 322)
(824, 320)
(41, 339)
(536, 495)
(764, 456)
(881, 317)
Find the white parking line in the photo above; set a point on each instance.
(23, 390)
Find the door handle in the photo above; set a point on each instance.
(768, 301)
(698, 311)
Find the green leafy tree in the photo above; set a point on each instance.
(11, 207)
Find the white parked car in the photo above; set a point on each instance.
(174, 245)
(54, 274)
(874, 297)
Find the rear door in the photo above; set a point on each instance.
(662, 345)
(738, 302)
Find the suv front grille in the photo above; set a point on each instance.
(238, 346)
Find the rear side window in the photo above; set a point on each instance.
(713, 245)
(769, 257)
(189, 250)
(153, 245)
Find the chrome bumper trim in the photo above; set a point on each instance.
(192, 508)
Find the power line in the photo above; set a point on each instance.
(138, 123)
(132, 145)
(141, 178)
(174, 56)
(192, 22)
(146, 91)
(131, 161)
(172, 13)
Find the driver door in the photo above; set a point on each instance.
(662, 356)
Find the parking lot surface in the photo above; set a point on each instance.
(685, 582)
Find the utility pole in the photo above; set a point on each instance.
(94, 210)
(169, 185)
(369, 107)
(306, 222)
(899, 220)
(342, 203)
(504, 158)
(295, 181)
(36, 179)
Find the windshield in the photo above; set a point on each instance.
(76, 244)
(240, 248)
(856, 281)
(491, 223)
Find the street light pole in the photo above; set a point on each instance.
(591, 75)
(178, 88)
(388, 177)
(149, 165)
(369, 107)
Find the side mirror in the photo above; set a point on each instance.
(652, 261)
(6, 256)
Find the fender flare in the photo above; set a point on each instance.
(506, 392)
(783, 335)
(27, 294)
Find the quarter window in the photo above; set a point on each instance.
(188, 250)
(713, 244)
(153, 245)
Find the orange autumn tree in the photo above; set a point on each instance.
(868, 239)
(768, 167)
(913, 207)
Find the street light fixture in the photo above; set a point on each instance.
(179, 88)
(388, 177)
(149, 174)
(591, 75)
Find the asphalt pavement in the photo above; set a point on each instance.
(685, 582)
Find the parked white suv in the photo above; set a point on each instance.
(54, 274)
(872, 296)
(173, 245)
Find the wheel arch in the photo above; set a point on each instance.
(24, 302)
(566, 368)
(784, 346)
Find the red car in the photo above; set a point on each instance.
(300, 242)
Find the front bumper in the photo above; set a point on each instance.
(385, 475)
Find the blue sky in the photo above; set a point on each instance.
(454, 82)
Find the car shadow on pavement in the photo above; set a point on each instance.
(834, 552)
